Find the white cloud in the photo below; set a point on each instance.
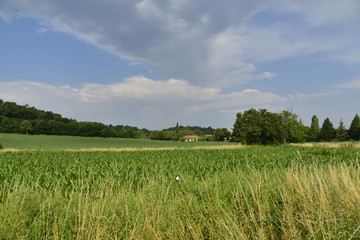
(212, 43)
(136, 88)
(266, 75)
(144, 102)
(137, 100)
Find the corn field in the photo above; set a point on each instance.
(255, 192)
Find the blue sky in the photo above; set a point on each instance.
(153, 63)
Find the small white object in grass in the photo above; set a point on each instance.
(177, 178)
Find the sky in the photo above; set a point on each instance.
(155, 63)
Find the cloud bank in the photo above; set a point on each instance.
(210, 43)
(138, 100)
(208, 50)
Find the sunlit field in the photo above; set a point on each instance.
(249, 193)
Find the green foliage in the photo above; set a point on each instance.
(19, 141)
(222, 134)
(26, 126)
(263, 127)
(170, 135)
(24, 119)
(327, 132)
(293, 128)
(341, 132)
(192, 130)
(354, 130)
(249, 193)
(314, 130)
(248, 127)
(177, 128)
(13, 110)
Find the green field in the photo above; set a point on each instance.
(283, 192)
(43, 142)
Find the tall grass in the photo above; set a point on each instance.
(253, 193)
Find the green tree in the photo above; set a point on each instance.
(258, 127)
(294, 130)
(247, 128)
(177, 128)
(26, 126)
(314, 129)
(341, 132)
(177, 135)
(354, 130)
(221, 134)
(327, 132)
(106, 133)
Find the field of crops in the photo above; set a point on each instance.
(42, 142)
(250, 193)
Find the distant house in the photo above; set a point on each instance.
(191, 138)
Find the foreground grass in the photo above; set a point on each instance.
(43, 142)
(250, 193)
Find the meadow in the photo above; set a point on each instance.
(45, 142)
(284, 192)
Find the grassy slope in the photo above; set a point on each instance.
(36, 142)
(250, 193)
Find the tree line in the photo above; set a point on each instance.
(16, 118)
(263, 127)
(254, 126)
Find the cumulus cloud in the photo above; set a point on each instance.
(212, 43)
(149, 103)
(137, 100)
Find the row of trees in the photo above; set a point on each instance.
(251, 127)
(328, 133)
(15, 118)
(263, 127)
(53, 127)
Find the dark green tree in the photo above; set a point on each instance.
(247, 127)
(258, 127)
(177, 128)
(177, 135)
(327, 132)
(354, 130)
(221, 134)
(294, 130)
(314, 131)
(341, 132)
